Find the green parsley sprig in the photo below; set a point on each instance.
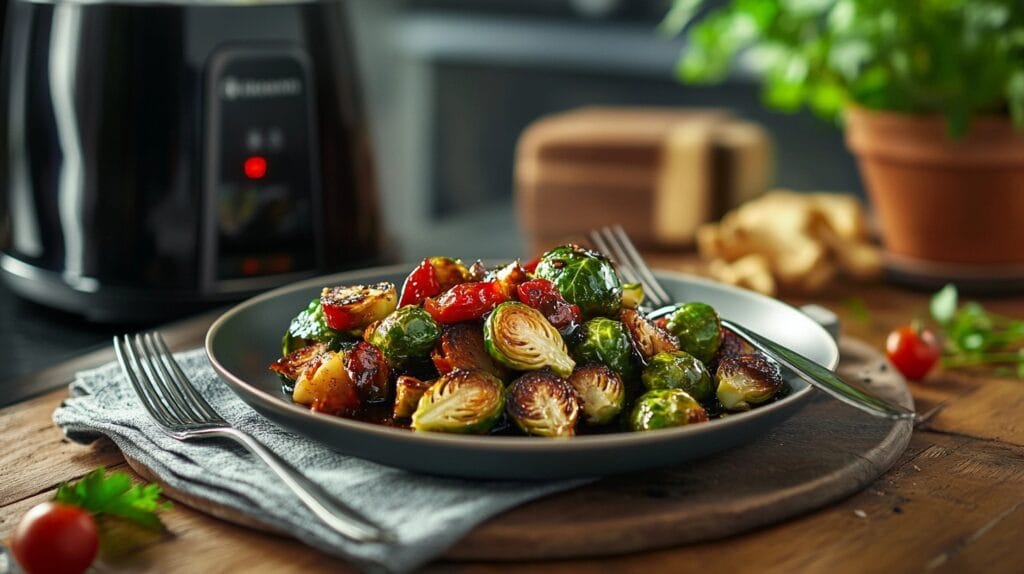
(102, 493)
(975, 336)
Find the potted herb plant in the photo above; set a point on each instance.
(932, 97)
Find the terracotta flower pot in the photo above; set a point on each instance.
(947, 208)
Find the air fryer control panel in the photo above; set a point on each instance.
(261, 186)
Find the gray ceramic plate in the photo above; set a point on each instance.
(247, 338)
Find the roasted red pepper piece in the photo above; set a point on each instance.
(368, 369)
(466, 302)
(419, 285)
(543, 296)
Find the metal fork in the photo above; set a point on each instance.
(615, 243)
(184, 414)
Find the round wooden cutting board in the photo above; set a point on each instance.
(823, 453)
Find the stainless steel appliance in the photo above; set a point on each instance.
(157, 156)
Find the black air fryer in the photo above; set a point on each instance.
(161, 156)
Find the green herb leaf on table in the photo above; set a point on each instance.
(115, 494)
(975, 336)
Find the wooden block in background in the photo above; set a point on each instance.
(658, 172)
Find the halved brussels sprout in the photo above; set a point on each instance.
(543, 404)
(648, 339)
(698, 328)
(632, 295)
(290, 366)
(732, 346)
(519, 337)
(605, 341)
(600, 392)
(678, 370)
(746, 381)
(460, 402)
(665, 408)
(449, 272)
(462, 347)
(408, 391)
(404, 336)
(307, 328)
(356, 306)
(324, 386)
(585, 278)
(368, 370)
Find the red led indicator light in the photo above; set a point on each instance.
(255, 167)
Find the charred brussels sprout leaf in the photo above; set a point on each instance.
(290, 366)
(460, 402)
(698, 329)
(542, 404)
(605, 341)
(732, 346)
(678, 370)
(520, 338)
(404, 336)
(462, 347)
(746, 381)
(307, 328)
(665, 408)
(648, 339)
(600, 392)
(408, 391)
(585, 278)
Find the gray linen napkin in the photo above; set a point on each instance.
(428, 514)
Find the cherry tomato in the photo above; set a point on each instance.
(55, 538)
(543, 296)
(466, 302)
(420, 284)
(913, 351)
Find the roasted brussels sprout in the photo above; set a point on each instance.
(460, 402)
(520, 338)
(600, 392)
(307, 328)
(449, 272)
(543, 404)
(356, 306)
(325, 387)
(632, 295)
(462, 347)
(732, 346)
(585, 278)
(679, 370)
(408, 391)
(648, 339)
(404, 336)
(665, 408)
(368, 370)
(698, 329)
(603, 340)
(746, 381)
(290, 366)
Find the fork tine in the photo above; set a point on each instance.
(182, 381)
(178, 414)
(623, 266)
(640, 266)
(173, 392)
(129, 364)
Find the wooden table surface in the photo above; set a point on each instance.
(953, 503)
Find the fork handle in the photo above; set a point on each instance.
(345, 520)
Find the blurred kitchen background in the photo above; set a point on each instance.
(449, 87)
